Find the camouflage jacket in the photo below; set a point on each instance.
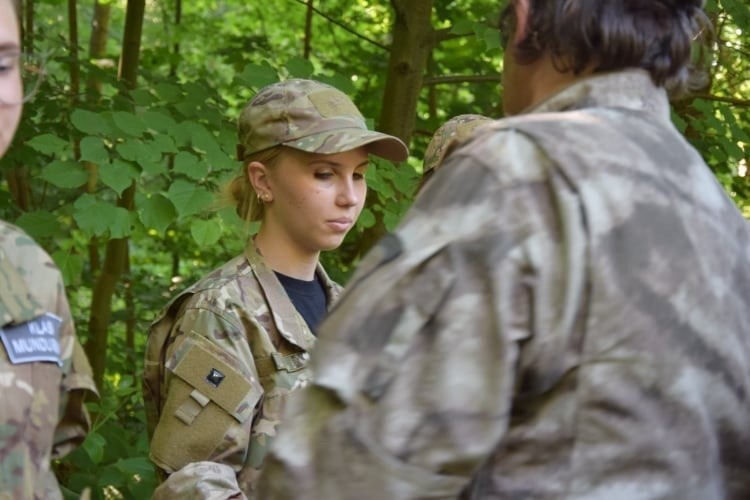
(44, 374)
(221, 359)
(563, 314)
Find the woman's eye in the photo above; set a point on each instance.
(323, 175)
(358, 176)
(8, 62)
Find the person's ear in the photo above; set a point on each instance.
(522, 20)
(257, 174)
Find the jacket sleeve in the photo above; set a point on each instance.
(416, 367)
(211, 394)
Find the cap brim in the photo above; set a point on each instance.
(341, 140)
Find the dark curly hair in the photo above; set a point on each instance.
(658, 36)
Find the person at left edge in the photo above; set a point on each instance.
(224, 355)
(44, 374)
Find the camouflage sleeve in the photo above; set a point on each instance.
(413, 387)
(77, 385)
(201, 480)
(200, 446)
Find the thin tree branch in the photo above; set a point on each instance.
(439, 80)
(343, 26)
(729, 100)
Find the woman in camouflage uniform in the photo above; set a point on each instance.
(224, 354)
(44, 374)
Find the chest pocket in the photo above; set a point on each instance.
(206, 397)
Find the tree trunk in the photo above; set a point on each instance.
(97, 51)
(98, 44)
(75, 74)
(308, 29)
(27, 31)
(176, 48)
(413, 41)
(115, 260)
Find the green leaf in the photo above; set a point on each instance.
(48, 144)
(201, 139)
(93, 150)
(258, 75)
(99, 218)
(142, 97)
(164, 144)
(65, 174)
(189, 165)
(491, 40)
(118, 175)
(168, 92)
(739, 10)
(38, 224)
(462, 27)
(129, 123)
(366, 218)
(205, 232)
(157, 212)
(135, 466)
(218, 159)
(89, 122)
(129, 150)
(70, 265)
(188, 198)
(157, 121)
(299, 67)
(94, 447)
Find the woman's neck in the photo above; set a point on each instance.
(285, 256)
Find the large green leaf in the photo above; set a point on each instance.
(158, 121)
(189, 198)
(129, 123)
(299, 67)
(189, 165)
(70, 265)
(205, 232)
(258, 75)
(49, 144)
(65, 174)
(93, 150)
(157, 212)
(164, 143)
(89, 122)
(129, 150)
(118, 175)
(100, 218)
(39, 224)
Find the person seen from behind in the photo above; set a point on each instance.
(563, 313)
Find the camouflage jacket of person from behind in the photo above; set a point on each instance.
(563, 314)
(221, 359)
(44, 374)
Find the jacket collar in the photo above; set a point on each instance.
(630, 89)
(288, 321)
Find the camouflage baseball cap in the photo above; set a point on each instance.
(455, 130)
(310, 116)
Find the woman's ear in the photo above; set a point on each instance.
(522, 20)
(257, 174)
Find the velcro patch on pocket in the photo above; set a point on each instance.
(207, 400)
(202, 368)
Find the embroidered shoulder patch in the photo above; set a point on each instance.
(34, 340)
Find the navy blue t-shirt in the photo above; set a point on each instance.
(309, 297)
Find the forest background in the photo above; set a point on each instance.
(117, 166)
